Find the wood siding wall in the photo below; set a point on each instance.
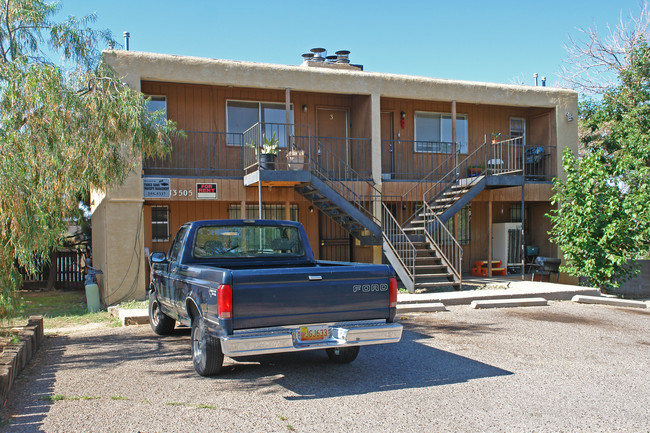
(482, 119)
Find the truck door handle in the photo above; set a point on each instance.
(315, 278)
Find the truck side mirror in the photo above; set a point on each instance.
(158, 257)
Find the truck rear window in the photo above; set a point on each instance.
(246, 241)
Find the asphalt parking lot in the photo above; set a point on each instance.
(565, 367)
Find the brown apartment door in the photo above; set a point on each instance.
(335, 241)
(332, 132)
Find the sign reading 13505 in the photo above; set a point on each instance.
(182, 193)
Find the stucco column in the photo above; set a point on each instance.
(118, 234)
(375, 158)
(567, 134)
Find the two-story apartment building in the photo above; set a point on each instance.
(416, 171)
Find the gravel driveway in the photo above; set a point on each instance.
(565, 367)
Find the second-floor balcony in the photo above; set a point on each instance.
(227, 155)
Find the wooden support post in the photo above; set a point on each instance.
(287, 108)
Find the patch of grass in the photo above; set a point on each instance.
(173, 403)
(205, 406)
(282, 418)
(60, 397)
(60, 309)
(52, 397)
(118, 397)
(290, 427)
(134, 305)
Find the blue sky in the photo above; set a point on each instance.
(493, 41)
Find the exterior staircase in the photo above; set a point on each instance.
(424, 254)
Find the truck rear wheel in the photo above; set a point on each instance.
(343, 355)
(206, 350)
(161, 323)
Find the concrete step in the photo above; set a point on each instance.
(139, 316)
(605, 300)
(421, 308)
(509, 303)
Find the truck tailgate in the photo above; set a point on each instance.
(290, 296)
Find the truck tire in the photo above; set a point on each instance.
(161, 323)
(206, 350)
(343, 355)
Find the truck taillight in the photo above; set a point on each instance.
(392, 290)
(224, 298)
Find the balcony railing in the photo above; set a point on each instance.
(200, 154)
(220, 154)
(334, 155)
(413, 160)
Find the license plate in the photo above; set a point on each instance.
(314, 333)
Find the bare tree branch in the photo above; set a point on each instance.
(594, 59)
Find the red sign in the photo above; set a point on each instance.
(206, 190)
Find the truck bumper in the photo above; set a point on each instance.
(287, 339)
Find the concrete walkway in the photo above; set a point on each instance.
(514, 290)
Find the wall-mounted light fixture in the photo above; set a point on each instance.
(311, 209)
(304, 107)
(569, 116)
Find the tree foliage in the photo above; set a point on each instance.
(603, 221)
(64, 129)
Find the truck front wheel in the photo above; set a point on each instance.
(343, 355)
(161, 323)
(206, 350)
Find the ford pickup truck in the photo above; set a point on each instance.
(252, 287)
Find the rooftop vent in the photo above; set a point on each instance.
(319, 57)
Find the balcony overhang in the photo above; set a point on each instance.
(287, 178)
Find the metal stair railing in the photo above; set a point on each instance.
(397, 242)
(478, 159)
(414, 194)
(445, 244)
(347, 182)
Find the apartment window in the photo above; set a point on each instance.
(518, 129)
(433, 132)
(241, 115)
(269, 211)
(159, 223)
(463, 217)
(157, 105)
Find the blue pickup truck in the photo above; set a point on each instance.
(251, 287)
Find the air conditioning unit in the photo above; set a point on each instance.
(506, 243)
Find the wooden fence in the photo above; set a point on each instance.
(70, 270)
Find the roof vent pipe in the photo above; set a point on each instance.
(127, 36)
(543, 81)
(307, 57)
(535, 77)
(319, 54)
(343, 56)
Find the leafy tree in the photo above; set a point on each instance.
(603, 222)
(64, 129)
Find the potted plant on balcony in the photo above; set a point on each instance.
(495, 137)
(267, 152)
(474, 170)
(296, 159)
